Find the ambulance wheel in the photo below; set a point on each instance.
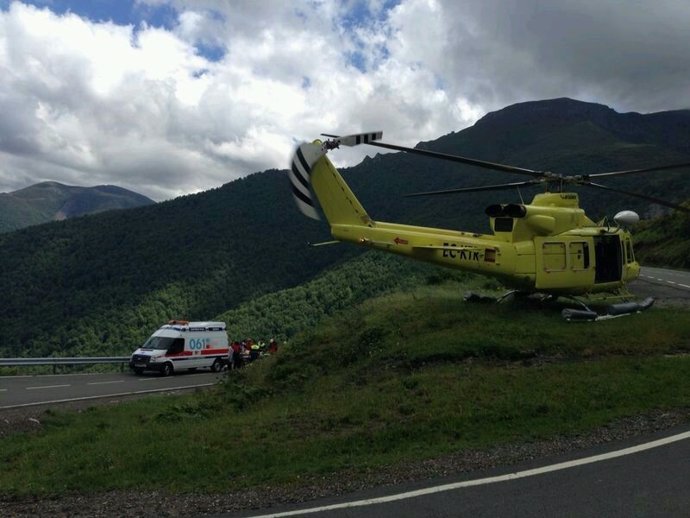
(217, 365)
(167, 369)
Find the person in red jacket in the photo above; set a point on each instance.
(236, 358)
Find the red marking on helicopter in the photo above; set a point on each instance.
(400, 241)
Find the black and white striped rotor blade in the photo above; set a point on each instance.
(306, 155)
(357, 139)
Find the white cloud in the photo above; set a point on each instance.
(230, 87)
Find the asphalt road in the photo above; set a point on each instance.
(668, 287)
(636, 479)
(19, 391)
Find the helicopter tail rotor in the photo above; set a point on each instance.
(305, 157)
(352, 140)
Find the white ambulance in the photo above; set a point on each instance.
(181, 345)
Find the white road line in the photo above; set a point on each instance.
(47, 387)
(149, 379)
(105, 382)
(684, 286)
(52, 375)
(488, 480)
(3, 390)
(120, 394)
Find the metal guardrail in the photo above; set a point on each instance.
(26, 362)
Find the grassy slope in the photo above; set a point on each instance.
(284, 313)
(406, 376)
(665, 241)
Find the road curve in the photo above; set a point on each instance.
(635, 479)
(620, 480)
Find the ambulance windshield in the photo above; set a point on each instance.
(159, 343)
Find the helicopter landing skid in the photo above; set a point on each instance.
(471, 296)
(613, 311)
(585, 314)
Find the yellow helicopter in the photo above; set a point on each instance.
(548, 246)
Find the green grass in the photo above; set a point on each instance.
(404, 377)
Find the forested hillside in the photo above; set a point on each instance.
(665, 241)
(99, 284)
(53, 201)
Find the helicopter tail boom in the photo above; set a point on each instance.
(339, 204)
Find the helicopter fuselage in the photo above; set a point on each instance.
(575, 262)
(547, 246)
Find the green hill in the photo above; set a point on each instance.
(665, 241)
(414, 383)
(99, 285)
(53, 201)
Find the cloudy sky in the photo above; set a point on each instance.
(169, 97)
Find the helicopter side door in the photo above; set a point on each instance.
(564, 262)
(609, 260)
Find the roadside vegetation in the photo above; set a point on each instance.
(406, 376)
(663, 241)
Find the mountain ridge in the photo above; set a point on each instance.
(99, 285)
(54, 201)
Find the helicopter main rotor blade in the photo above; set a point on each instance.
(455, 158)
(637, 195)
(644, 170)
(497, 187)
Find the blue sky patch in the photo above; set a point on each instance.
(360, 15)
(120, 12)
(124, 12)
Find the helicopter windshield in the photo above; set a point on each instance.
(158, 343)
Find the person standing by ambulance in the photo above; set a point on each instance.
(235, 359)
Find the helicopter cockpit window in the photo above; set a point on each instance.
(629, 256)
(503, 225)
